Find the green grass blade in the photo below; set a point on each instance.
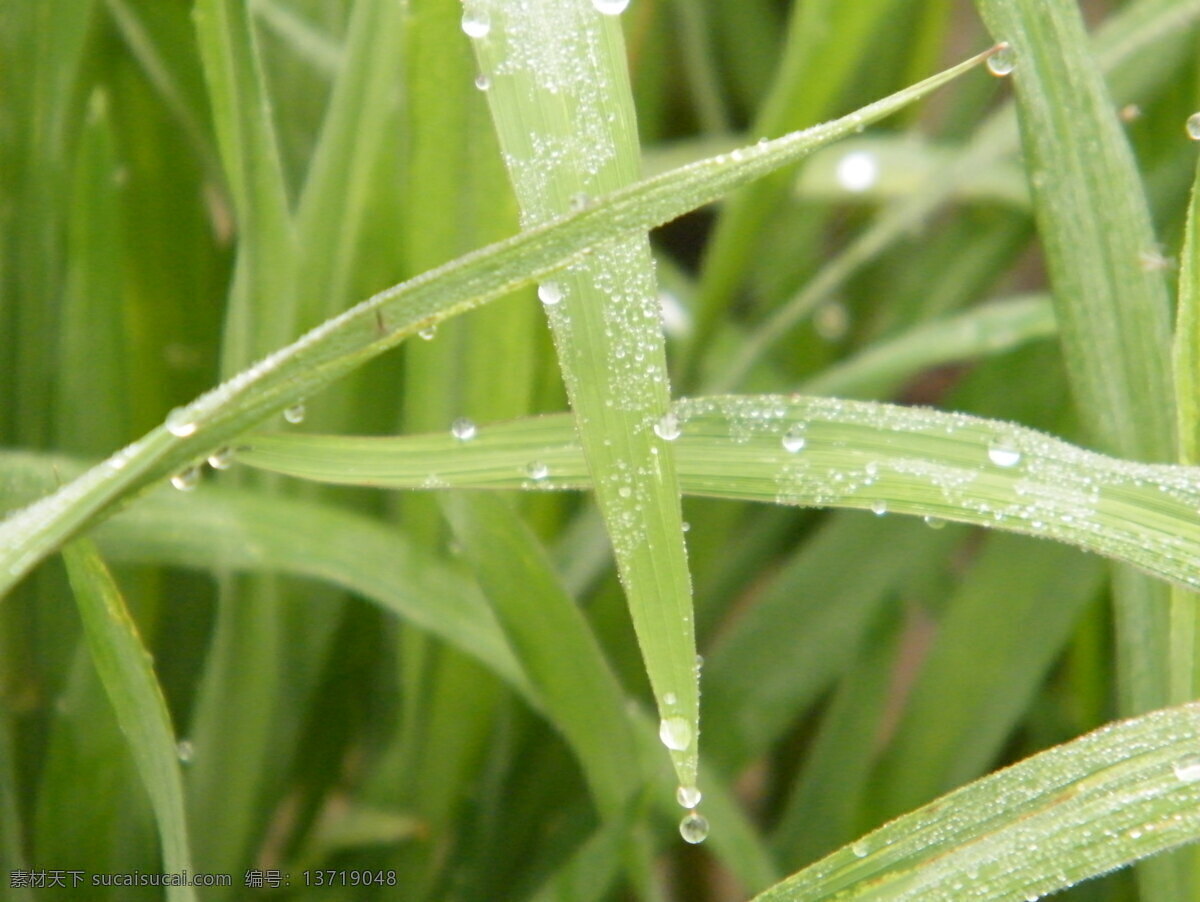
(1081, 809)
(564, 115)
(853, 454)
(342, 344)
(551, 637)
(1187, 335)
(126, 670)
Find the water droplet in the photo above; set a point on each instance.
(1002, 61)
(934, 522)
(667, 428)
(186, 480)
(428, 333)
(482, 82)
(669, 698)
(296, 413)
(221, 459)
(550, 293)
(179, 424)
(185, 750)
(858, 171)
(1193, 126)
(475, 23)
(675, 733)
(463, 429)
(580, 202)
(685, 526)
(859, 849)
(693, 828)
(688, 796)
(610, 7)
(794, 439)
(1130, 112)
(1003, 454)
(879, 508)
(537, 470)
(1188, 769)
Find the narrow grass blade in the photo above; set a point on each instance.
(128, 675)
(345, 342)
(564, 113)
(551, 637)
(877, 457)
(1124, 792)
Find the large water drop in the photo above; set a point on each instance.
(186, 480)
(688, 796)
(296, 413)
(1192, 126)
(179, 424)
(1002, 453)
(475, 23)
(463, 429)
(1002, 61)
(550, 293)
(693, 828)
(667, 428)
(537, 470)
(610, 7)
(675, 733)
(1188, 769)
(794, 440)
(858, 171)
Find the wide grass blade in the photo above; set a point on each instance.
(820, 452)
(126, 670)
(1124, 792)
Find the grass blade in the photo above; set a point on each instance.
(1119, 794)
(126, 670)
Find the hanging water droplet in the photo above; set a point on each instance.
(1188, 769)
(482, 82)
(1002, 61)
(1192, 126)
(934, 522)
(794, 439)
(858, 171)
(185, 751)
(693, 828)
(476, 23)
(550, 293)
(296, 413)
(1002, 453)
(610, 7)
(667, 428)
(179, 424)
(463, 429)
(688, 796)
(186, 480)
(221, 459)
(675, 733)
(537, 470)
(879, 508)
(428, 333)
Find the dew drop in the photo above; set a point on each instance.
(693, 828)
(858, 171)
(1188, 769)
(428, 333)
(580, 202)
(185, 750)
(879, 508)
(669, 698)
(685, 526)
(1003, 454)
(295, 413)
(1002, 61)
(859, 849)
(482, 82)
(1193, 126)
(550, 293)
(186, 480)
(934, 522)
(610, 7)
(667, 428)
(794, 440)
(476, 24)
(688, 796)
(221, 459)
(675, 733)
(179, 424)
(537, 470)
(463, 429)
